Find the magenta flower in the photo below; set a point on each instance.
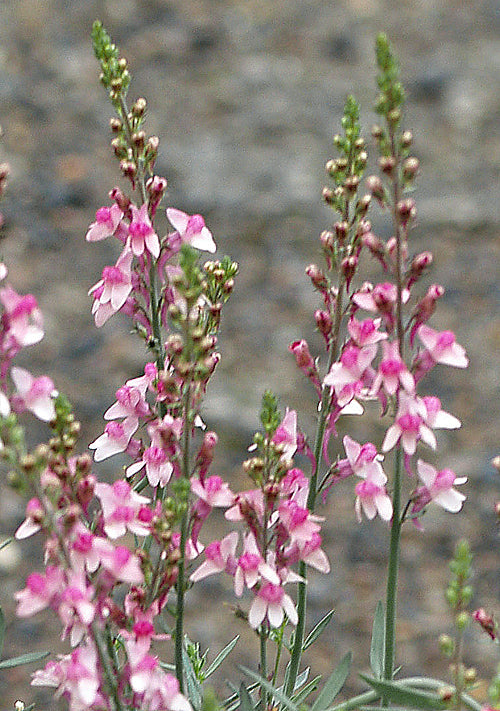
(122, 565)
(437, 418)
(34, 394)
(41, 591)
(123, 508)
(252, 568)
(362, 460)
(76, 609)
(298, 522)
(442, 347)
(34, 516)
(141, 233)
(438, 487)
(158, 466)
(286, 434)
(106, 222)
(214, 491)
(272, 602)
(192, 229)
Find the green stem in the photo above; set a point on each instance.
(263, 664)
(392, 572)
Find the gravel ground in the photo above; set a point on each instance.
(246, 96)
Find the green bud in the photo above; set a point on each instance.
(462, 620)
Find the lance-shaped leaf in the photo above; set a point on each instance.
(334, 684)
(401, 695)
(377, 648)
(317, 630)
(220, 657)
(276, 693)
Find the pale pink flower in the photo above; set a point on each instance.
(346, 376)
(158, 467)
(392, 371)
(31, 524)
(437, 418)
(438, 487)
(219, 556)
(112, 291)
(34, 394)
(76, 609)
(272, 602)
(115, 439)
(141, 233)
(372, 498)
(286, 434)
(24, 318)
(130, 402)
(310, 552)
(365, 333)
(362, 460)
(123, 508)
(41, 591)
(442, 347)
(246, 500)
(298, 522)
(106, 222)
(381, 299)
(122, 565)
(192, 229)
(86, 550)
(409, 426)
(213, 490)
(252, 567)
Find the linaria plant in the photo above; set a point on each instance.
(121, 557)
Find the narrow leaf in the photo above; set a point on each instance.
(246, 703)
(333, 685)
(377, 648)
(306, 690)
(232, 702)
(317, 630)
(5, 543)
(276, 693)
(221, 656)
(404, 696)
(23, 659)
(193, 685)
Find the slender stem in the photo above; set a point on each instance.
(313, 490)
(392, 572)
(263, 664)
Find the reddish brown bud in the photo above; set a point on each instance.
(376, 188)
(317, 277)
(324, 322)
(387, 165)
(341, 230)
(327, 240)
(410, 168)
(406, 210)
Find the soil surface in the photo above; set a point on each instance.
(246, 96)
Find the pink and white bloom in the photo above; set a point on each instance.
(192, 229)
(437, 418)
(213, 490)
(34, 394)
(31, 524)
(442, 347)
(251, 567)
(158, 466)
(122, 565)
(372, 498)
(438, 487)
(130, 402)
(76, 609)
(219, 556)
(106, 222)
(41, 591)
(112, 291)
(141, 233)
(409, 426)
(24, 318)
(363, 460)
(392, 371)
(346, 376)
(365, 333)
(286, 434)
(298, 522)
(123, 508)
(86, 549)
(114, 439)
(272, 602)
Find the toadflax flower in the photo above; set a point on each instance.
(438, 487)
(442, 347)
(34, 394)
(106, 222)
(192, 229)
(271, 601)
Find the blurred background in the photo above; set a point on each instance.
(246, 96)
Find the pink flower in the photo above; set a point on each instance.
(310, 552)
(158, 467)
(437, 418)
(286, 434)
(362, 460)
(213, 490)
(130, 403)
(40, 592)
(106, 222)
(252, 567)
(87, 550)
(409, 426)
(112, 291)
(24, 318)
(438, 487)
(122, 565)
(123, 508)
(346, 376)
(381, 299)
(365, 333)
(76, 609)
(392, 371)
(442, 347)
(192, 229)
(272, 602)
(115, 439)
(34, 516)
(372, 498)
(219, 556)
(297, 521)
(34, 394)
(141, 233)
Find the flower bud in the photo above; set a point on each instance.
(387, 165)
(341, 230)
(327, 240)
(317, 277)
(376, 188)
(446, 645)
(410, 168)
(139, 107)
(324, 322)
(328, 196)
(406, 210)
(406, 139)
